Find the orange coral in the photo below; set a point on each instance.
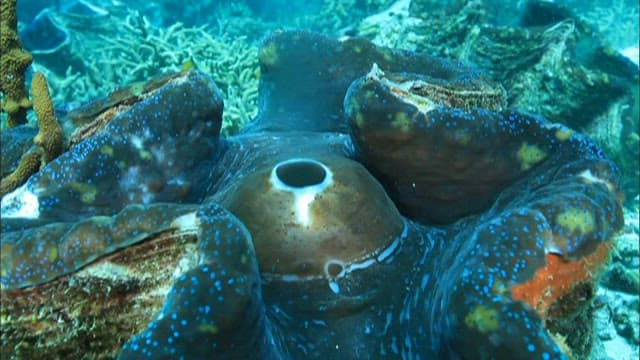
(558, 278)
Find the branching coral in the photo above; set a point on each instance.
(49, 142)
(617, 20)
(337, 15)
(143, 50)
(14, 61)
(392, 27)
(50, 137)
(29, 164)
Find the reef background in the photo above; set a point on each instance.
(574, 62)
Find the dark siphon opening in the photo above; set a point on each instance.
(301, 173)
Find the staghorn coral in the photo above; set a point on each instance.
(391, 28)
(617, 20)
(337, 16)
(143, 50)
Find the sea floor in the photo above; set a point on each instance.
(617, 320)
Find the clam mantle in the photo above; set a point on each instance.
(382, 204)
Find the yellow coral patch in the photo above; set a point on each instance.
(189, 65)
(53, 253)
(482, 318)
(387, 54)
(368, 95)
(10, 106)
(268, 55)
(359, 119)
(563, 134)
(576, 220)
(462, 136)
(145, 155)
(137, 89)
(401, 121)
(529, 155)
(87, 192)
(106, 150)
(5, 258)
(25, 103)
(210, 329)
